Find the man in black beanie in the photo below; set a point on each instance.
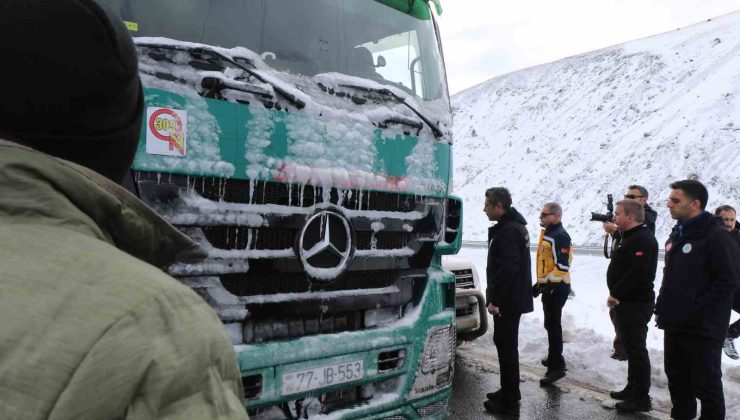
(71, 84)
(90, 327)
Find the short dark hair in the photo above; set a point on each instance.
(643, 190)
(693, 189)
(633, 208)
(724, 207)
(499, 195)
(554, 208)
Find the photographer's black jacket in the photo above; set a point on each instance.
(632, 268)
(509, 268)
(699, 279)
(650, 217)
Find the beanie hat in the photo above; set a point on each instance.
(71, 86)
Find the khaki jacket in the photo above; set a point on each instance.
(90, 327)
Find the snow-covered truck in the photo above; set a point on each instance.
(306, 145)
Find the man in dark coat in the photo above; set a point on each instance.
(509, 293)
(728, 217)
(693, 306)
(640, 194)
(630, 279)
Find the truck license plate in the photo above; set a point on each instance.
(308, 379)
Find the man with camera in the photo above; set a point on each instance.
(728, 217)
(553, 282)
(509, 293)
(630, 279)
(694, 303)
(640, 194)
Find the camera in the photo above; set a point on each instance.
(607, 217)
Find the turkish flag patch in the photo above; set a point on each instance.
(639, 254)
(565, 250)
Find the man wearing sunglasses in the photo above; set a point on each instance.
(640, 194)
(728, 217)
(694, 302)
(553, 282)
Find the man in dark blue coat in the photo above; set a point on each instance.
(509, 293)
(694, 303)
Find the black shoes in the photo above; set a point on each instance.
(622, 395)
(634, 405)
(619, 356)
(501, 406)
(551, 376)
(498, 395)
(546, 363)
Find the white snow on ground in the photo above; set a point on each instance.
(588, 334)
(650, 112)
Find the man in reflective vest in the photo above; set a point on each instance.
(553, 282)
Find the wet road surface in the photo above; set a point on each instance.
(474, 377)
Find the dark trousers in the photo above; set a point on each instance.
(506, 338)
(692, 365)
(633, 319)
(734, 330)
(617, 343)
(553, 300)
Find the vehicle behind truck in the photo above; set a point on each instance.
(470, 304)
(306, 145)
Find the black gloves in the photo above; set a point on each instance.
(536, 290)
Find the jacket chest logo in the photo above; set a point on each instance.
(686, 248)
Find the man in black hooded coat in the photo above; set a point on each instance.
(509, 293)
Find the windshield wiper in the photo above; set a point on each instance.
(298, 103)
(387, 92)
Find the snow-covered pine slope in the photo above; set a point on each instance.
(649, 111)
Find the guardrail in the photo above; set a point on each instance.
(578, 250)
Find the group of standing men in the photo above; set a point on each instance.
(693, 305)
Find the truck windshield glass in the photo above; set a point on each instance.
(361, 38)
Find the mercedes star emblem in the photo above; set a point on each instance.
(325, 244)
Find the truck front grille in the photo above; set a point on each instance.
(255, 275)
(248, 284)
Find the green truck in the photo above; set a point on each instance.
(307, 146)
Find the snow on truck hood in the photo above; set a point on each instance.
(330, 126)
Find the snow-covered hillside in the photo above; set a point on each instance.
(650, 112)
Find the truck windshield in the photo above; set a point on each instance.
(361, 38)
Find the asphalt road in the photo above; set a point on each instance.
(476, 374)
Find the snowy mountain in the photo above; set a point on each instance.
(650, 112)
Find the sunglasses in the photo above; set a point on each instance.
(543, 214)
(632, 196)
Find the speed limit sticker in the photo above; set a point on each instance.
(166, 131)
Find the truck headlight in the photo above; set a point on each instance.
(437, 362)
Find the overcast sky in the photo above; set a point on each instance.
(487, 38)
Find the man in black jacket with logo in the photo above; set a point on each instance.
(693, 306)
(728, 217)
(630, 279)
(639, 193)
(509, 293)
